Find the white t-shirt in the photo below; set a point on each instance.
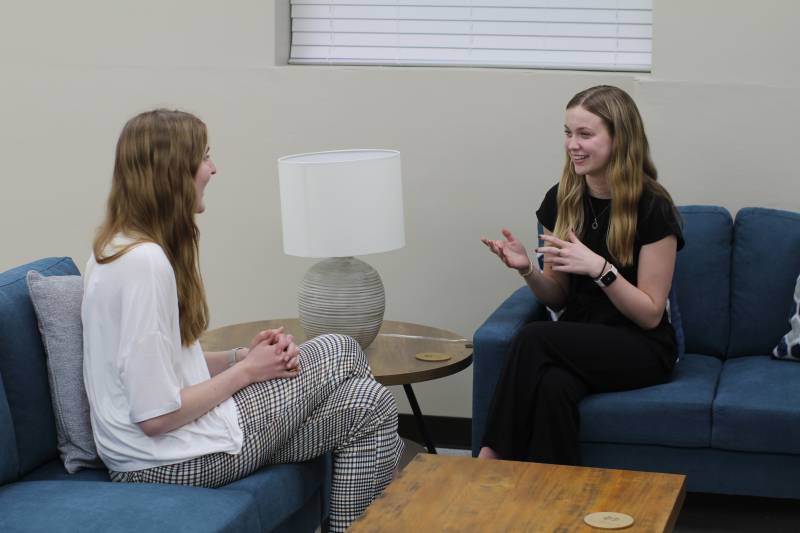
(134, 365)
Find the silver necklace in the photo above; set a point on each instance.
(595, 225)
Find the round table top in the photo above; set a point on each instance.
(391, 355)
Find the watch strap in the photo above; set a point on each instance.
(608, 277)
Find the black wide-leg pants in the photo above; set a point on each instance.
(549, 369)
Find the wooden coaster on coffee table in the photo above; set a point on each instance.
(608, 520)
(433, 356)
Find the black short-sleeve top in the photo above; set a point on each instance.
(586, 302)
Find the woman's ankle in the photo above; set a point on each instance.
(487, 453)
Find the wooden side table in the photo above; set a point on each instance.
(391, 355)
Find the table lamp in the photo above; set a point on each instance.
(337, 205)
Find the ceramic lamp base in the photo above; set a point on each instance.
(342, 295)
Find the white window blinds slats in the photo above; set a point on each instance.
(304, 26)
(491, 42)
(577, 34)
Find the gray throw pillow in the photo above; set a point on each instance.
(788, 347)
(57, 302)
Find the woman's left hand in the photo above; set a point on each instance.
(570, 256)
(268, 335)
(291, 355)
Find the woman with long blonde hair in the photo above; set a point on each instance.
(611, 234)
(162, 410)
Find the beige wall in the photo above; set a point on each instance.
(480, 146)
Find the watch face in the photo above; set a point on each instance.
(608, 278)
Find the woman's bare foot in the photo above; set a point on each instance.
(487, 453)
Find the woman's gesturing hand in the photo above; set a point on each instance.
(510, 251)
(571, 256)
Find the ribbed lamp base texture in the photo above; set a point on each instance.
(342, 295)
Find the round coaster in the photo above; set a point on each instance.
(432, 356)
(608, 520)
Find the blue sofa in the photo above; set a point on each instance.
(36, 493)
(729, 418)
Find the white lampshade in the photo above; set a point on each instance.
(337, 205)
(341, 203)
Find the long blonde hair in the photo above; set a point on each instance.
(153, 199)
(630, 170)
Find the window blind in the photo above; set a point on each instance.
(557, 34)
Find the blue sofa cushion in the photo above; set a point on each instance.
(761, 286)
(282, 494)
(702, 278)
(708, 470)
(789, 346)
(755, 409)
(88, 506)
(9, 463)
(23, 366)
(677, 413)
(279, 490)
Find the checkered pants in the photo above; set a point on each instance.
(333, 405)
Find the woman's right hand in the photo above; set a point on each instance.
(510, 251)
(273, 358)
(269, 335)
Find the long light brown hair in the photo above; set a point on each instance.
(630, 170)
(153, 199)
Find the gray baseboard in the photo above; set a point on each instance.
(446, 431)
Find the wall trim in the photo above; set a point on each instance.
(446, 431)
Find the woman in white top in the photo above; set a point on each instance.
(165, 412)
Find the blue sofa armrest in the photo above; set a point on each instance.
(491, 344)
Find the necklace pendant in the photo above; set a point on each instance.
(594, 224)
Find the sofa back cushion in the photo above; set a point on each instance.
(766, 263)
(702, 279)
(57, 303)
(23, 369)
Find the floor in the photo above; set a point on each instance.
(706, 513)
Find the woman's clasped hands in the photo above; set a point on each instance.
(273, 354)
(570, 256)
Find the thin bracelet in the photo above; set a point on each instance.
(605, 263)
(527, 274)
(232, 356)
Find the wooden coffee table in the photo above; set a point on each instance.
(391, 355)
(441, 493)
